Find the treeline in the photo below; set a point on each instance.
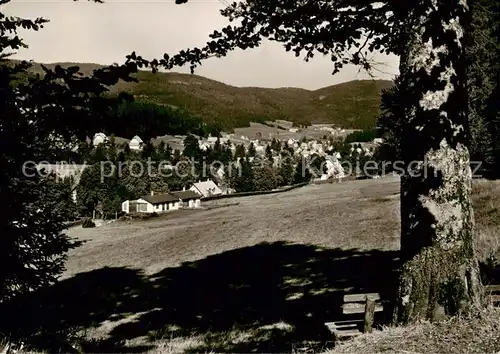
(366, 135)
(149, 120)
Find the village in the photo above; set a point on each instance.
(318, 140)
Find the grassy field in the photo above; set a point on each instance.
(267, 132)
(261, 275)
(353, 104)
(347, 215)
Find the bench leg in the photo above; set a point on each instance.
(369, 314)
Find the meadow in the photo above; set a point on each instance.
(252, 274)
(269, 132)
(355, 215)
(263, 275)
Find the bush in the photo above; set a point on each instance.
(361, 136)
(125, 217)
(87, 223)
(141, 216)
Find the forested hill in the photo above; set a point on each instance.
(353, 104)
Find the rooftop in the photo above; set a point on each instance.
(170, 197)
(160, 198)
(186, 195)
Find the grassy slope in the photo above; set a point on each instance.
(478, 333)
(352, 216)
(213, 265)
(242, 268)
(353, 104)
(364, 213)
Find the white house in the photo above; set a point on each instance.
(211, 140)
(334, 167)
(260, 149)
(206, 189)
(162, 202)
(136, 143)
(203, 145)
(99, 138)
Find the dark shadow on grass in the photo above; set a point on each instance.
(240, 291)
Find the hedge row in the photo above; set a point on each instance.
(247, 194)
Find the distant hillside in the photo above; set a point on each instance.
(353, 104)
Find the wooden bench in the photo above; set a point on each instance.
(366, 304)
(493, 293)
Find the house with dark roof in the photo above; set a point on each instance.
(189, 199)
(156, 203)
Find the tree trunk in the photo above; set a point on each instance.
(439, 273)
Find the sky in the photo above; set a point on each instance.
(106, 33)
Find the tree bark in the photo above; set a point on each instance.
(439, 273)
